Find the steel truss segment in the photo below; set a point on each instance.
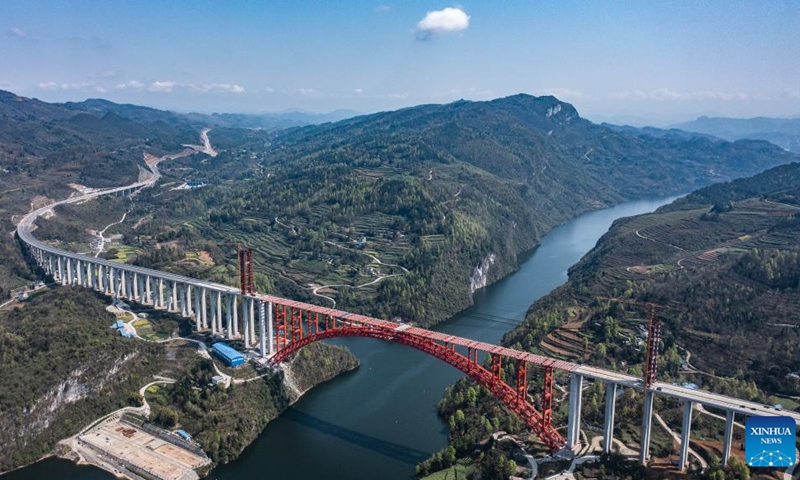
(510, 396)
(547, 396)
(391, 326)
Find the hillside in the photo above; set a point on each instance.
(784, 132)
(44, 147)
(444, 197)
(724, 260)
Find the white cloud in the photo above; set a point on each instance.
(217, 87)
(383, 9)
(65, 86)
(359, 91)
(133, 84)
(17, 32)
(448, 20)
(159, 86)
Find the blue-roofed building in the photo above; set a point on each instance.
(118, 324)
(232, 357)
(125, 333)
(183, 434)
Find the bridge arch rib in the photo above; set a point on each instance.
(514, 398)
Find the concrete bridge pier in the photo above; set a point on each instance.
(213, 301)
(229, 315)
(60, 268)
(246, 322)
(69, 271)
(574, 421)
(203, 308)
(160, 290)
(608, 427)
(270, 334)
(730, 418)
(123, 284)
(148, 291)
(647, 424)
(252, 309)
(90, 275)
(168, 293)
(175, 305)
(111, 288)
(135, 288)
(98, 284)
(198, 313)
(262, 339)
(686, 431)
(219, 312)
(103, 276)
(129, 287)
(270, 326)
(183, 289)
(189, 289)
(235, 311)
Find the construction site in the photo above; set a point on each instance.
(127, 447)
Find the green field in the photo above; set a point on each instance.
(145, 330)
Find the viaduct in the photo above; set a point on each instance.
(274, 328)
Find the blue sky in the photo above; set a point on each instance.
(659, 60)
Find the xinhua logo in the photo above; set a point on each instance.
(769, 442)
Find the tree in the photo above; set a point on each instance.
(739, 469)
(167, 417)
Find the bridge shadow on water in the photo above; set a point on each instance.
(393, 450)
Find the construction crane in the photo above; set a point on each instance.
(653, 336)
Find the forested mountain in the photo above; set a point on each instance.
(405, 213)
(724, 259)
(44, 147)
(724, 262)
(784, 132)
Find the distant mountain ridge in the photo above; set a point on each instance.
(784, 132)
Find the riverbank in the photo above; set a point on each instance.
(381, 420)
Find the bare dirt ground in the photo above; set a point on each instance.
(121, 441)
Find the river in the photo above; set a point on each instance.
(380, 420)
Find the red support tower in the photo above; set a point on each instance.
(547, 398)
(246, 275)
(280, 327)
(497, 366)
(653, 337)
(522, 380)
